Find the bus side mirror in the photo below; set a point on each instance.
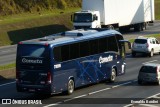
(126, 41)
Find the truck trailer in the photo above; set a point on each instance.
(122, 14)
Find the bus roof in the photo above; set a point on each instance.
(72, 36)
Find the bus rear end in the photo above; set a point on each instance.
(33, 73)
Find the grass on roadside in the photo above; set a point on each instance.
(24, 27)
(30, 16)
(7, 66)
(157, 9)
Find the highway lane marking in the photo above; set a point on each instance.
(6, 51)
(150, 61)
(60, 102)
(7, 83)
(148, 105)
(99, 91)
(105, 89)
(153, 95)
(91, 93)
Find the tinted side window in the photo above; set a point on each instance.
(103, 45)
(57, 54)
(93, 47)
(74, 51)
(112, 44)
(65, 52)
(84, 49)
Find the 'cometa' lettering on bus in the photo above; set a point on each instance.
(105, 59)
(24, 60)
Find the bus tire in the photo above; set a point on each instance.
(133, 54)
(70, 87)
(113, 75)
(140, 82)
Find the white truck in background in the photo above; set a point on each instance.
(122, 14)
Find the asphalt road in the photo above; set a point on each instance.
(102, 94)
(8, 53)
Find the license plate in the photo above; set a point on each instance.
(139, 46)
(147, 79)
(31, 90)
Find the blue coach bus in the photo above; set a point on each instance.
(65, 61)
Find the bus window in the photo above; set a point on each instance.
(84, 49)
(103, 47)
(65, 53)
(74, 51)
(118, 37)
(93, 47)
(112, 44)
(61, 53)
(57, 54)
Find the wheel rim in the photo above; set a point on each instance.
(113, 75)
(70, 86)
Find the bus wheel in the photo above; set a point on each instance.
(139, 82)
(133, 54)
(70, 86)
(113, 75)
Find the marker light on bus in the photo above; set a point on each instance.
(20, 43)
(48, 77)
(17, 76)
(46, 44)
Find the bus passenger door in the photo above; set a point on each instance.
(123, 49)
